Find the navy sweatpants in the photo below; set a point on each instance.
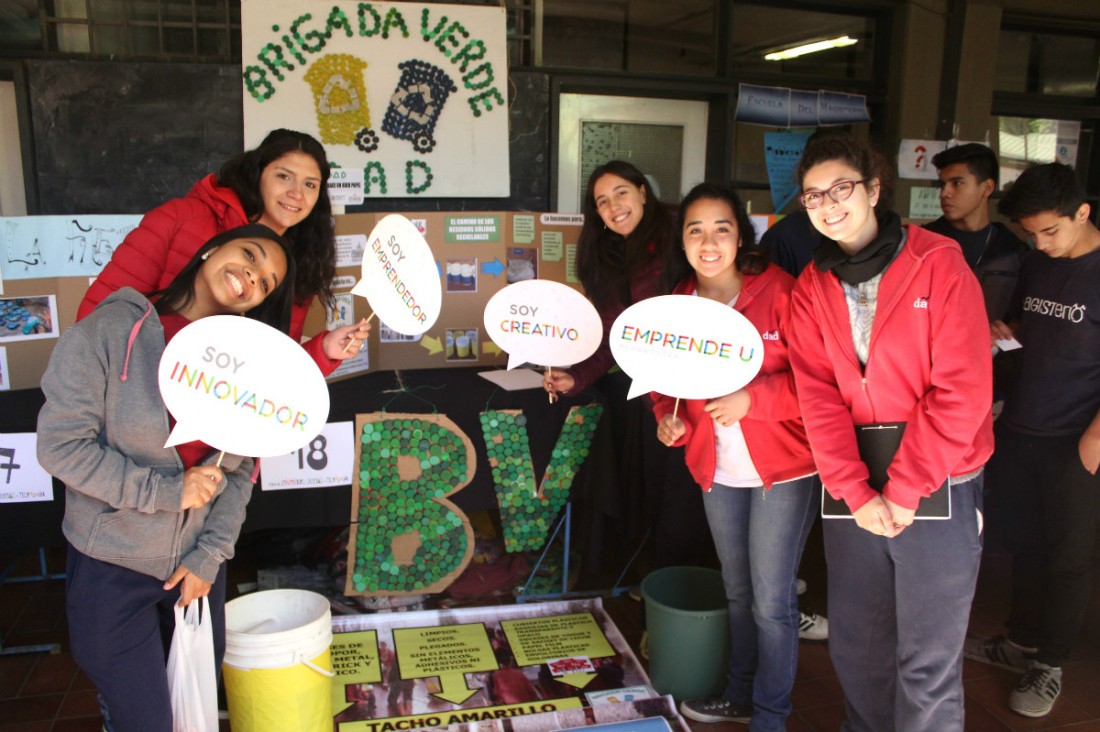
(120, 628)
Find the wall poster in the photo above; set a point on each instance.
(412, 94)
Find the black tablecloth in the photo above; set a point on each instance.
(458, 393)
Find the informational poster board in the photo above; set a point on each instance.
(414, 95)
(474, 664)
(477, 254)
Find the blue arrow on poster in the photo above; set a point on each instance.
(782, 151)
(493, 268)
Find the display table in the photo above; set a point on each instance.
(458, 393)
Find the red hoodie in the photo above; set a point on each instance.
(165, 241)
(773, 427)
(929, 365)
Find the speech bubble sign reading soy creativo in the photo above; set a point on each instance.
(685, 347)
(399, 277)
(243, 387)
(543, 322)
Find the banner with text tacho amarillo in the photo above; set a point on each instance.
(413, 94)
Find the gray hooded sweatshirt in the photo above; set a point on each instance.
(102, 432)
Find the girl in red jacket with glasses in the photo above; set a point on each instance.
(889, 336)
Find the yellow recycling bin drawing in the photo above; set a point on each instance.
(340, 98)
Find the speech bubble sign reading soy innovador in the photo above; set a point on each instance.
(399, 277)
(685, 347)
(243, 387)
(543, 322)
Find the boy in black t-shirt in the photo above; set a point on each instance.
(1044, 468)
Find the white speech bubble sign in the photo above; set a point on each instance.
(243, 387)
(399, 277)
(544, 323)
(685, 347)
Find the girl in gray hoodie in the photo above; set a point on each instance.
(148, 526)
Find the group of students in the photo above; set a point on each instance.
(886, 325)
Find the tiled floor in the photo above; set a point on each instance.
(47, 693)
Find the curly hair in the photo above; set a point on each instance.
(854, 152)
(606, 261)
(313, 239)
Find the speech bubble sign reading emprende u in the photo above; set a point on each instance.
(243, 387)
(685, 347)
(399, 277)
(543, 322)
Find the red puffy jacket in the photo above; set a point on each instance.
(168, 237)
(773, 427)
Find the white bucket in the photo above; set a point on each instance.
(278, 669)
(276, 629)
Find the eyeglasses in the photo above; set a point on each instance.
(842, 191)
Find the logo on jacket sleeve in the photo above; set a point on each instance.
(921, 302)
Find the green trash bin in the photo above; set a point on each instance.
(687, 619)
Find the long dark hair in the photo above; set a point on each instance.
(608, 262)
(314, 238)
(751, 259)
(275, 310)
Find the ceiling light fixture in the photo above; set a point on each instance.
(802, 50)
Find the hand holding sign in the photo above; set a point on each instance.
(543, 322)
(242, 387)
(685, 347)
(399, 277)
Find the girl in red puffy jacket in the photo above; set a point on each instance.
(280, 184)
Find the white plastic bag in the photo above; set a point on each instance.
(192, 678)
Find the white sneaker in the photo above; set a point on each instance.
(812, 627)
(1036, 691)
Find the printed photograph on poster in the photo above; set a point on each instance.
(5, 379)
(349, 250)
(421, 226)
(387, 334)
(523, 263)
(462, 275)
(22, 479)
(486, 663)
(324, 463)
(342, 311)
(462, 344)
(28, 318)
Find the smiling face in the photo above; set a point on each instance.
(963, 199)
(289, 186)
(238, 275)
(619, 202)
(711, 240)
(850, 223)
(1061, 237)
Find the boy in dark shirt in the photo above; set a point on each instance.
(1048, 440)
(968, 177)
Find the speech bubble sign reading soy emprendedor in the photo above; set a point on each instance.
(399, 277)
(685, 347)
(243, 387)
(543, 322)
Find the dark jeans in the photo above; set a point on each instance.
(120, 627)
(759, 537)
(1044, 508)
(898, 611)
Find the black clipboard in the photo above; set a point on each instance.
(877, 444)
